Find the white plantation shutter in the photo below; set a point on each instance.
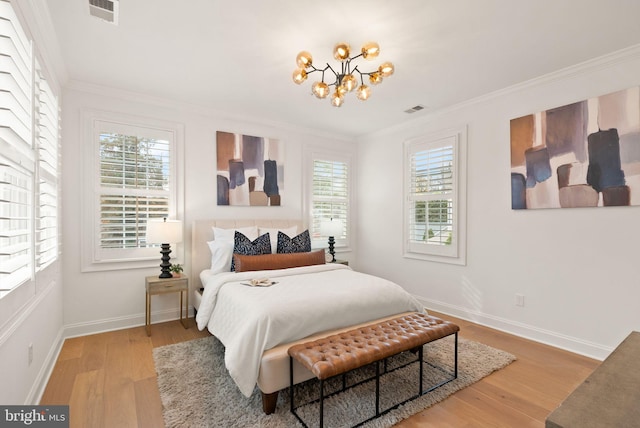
(433, 196)
(15, 218)
(16, 82)
(17, 159)
(47, 141)
(330, 196)
(134, 183)
(133, 163)
(432, 193)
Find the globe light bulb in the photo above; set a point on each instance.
(364, 92)
(370, 50)
(337, 99)
(320, 89)
(349, 82)
(375, 78)
(386, 69)
(299, 75)
(304, 59)
(341, 51)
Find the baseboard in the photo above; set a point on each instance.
(83, 329)
(119, 323)
(551, 338)
(40, 384)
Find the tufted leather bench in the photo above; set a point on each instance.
(340, 353)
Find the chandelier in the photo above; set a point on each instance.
(346, 79)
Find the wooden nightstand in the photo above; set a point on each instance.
(342, 262)
(155, 285)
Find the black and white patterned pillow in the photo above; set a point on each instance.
(247, 247)
(297, 244)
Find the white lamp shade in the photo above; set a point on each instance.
(164, 231)
(331, 227)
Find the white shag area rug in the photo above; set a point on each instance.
(197, 391)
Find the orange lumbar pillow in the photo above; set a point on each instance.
(278, 261)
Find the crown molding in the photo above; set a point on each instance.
(602, 62)
(144, 98)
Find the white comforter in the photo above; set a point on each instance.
(305, 300)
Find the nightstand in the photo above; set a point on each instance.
(342, 262)
(155, 285)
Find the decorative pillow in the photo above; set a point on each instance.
(297, 244)
(245, 246)
(221, 255)
(220, 234)
(273, 234)
(277, 261)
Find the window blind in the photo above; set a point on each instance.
(431, 191)
(16, 152)
(47, 141)
(15, 218)
(330, 195)
(134, 179)
(15, 82)
(434, 213)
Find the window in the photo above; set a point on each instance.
(134, 186)
(47, 131)
(135, 179)
(434, 209)
(16, 261)
(28, 140)
(329, 196)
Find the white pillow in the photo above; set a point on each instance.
(222, 246)
(221, 255)
(250, 232)
(273, 235)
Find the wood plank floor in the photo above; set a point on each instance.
(109, 380)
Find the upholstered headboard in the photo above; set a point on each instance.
(202, 232)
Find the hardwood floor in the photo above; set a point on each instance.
(109, 380)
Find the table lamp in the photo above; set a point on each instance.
(164, 232)
(331, 228)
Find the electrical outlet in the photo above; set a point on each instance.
(30, 353)
(519, 300)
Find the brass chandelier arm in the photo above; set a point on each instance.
(341, 75)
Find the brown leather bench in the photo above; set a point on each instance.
(340, 353)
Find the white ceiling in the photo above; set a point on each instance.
(238, 56)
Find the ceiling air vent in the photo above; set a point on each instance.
(107, 10)
(414, 109)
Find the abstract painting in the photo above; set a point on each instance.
(585, 154)
(250, 170)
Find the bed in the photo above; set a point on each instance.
(258, 324)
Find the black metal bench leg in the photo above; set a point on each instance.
(420, 357)
(291, 382)
(321, 403)
(455, 357)
(377, 388)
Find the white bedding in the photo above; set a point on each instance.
(306, 300)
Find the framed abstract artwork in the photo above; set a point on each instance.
(250, 170)
(585, 154)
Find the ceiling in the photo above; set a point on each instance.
(237, 57)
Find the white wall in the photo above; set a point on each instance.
(577, 268)
(39, 324)
(96, 301)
